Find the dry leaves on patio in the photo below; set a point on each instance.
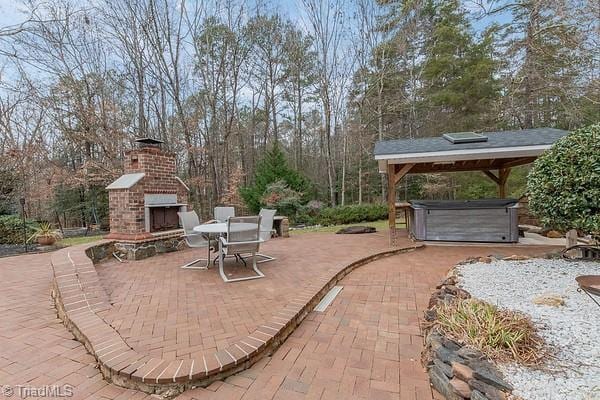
(502, 335)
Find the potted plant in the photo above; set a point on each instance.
(45, 235)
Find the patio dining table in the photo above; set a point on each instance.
(220, 228)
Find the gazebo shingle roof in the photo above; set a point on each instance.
(519, 138)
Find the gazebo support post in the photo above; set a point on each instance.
(500, 180)
(502, 177)
(391, 198)
(393, 179)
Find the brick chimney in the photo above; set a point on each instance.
(145, 200)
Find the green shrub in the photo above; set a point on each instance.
(11, 229)
(273, 168)
(352, 214)
(279, 196)
(564, 183)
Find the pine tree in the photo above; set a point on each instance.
(272, 168)
(458, 72)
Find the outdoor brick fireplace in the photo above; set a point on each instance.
(143, 203)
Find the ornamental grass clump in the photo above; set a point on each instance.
(502, 335)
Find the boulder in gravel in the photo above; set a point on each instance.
(353, 230)
(553, 300)
(515, 257)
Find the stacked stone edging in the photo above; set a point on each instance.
(459, 372)
(79, 298)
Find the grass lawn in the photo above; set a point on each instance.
(379, 225)
(72, 241)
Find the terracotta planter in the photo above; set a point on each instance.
(46, 240)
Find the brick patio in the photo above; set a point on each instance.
(368, 334)
(173, 313)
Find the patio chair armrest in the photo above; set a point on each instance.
(192, 234)
(226, 243)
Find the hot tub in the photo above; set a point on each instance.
(491, 220)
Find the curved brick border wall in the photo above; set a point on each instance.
(79, 297)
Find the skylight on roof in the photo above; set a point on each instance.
(465, 137)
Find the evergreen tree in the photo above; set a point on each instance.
(458, 72)
(273, 168)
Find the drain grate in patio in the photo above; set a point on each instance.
(328, 298)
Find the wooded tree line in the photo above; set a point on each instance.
(220, 82)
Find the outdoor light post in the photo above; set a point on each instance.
(22, 201)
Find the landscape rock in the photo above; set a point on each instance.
(353, 230)
(515, 257)
(554, 234)
(450, 344)
(451, 280)
(469, 353)
(477, 395)
(441, 383)
(486, 372)
(451, 289)
(446, 355)
(445, 368)
(461, 388)
(435, 298)
(531, 228)
(461, 371)
(489, 391)
(462, 294)
(553, 300)
(430, 315)
(434, 340)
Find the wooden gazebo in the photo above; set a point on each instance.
(464, 151)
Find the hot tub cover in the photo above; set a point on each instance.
(462, 204)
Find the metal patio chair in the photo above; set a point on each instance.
(195, 240)
(266, 229)
(222, 213)
(243, 237)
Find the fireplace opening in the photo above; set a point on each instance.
(163, 219)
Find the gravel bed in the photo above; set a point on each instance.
(572, 330)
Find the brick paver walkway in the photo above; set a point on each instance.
(366, 345)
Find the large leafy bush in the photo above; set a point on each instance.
(564, 183)
(11, 229)
(278, 195)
